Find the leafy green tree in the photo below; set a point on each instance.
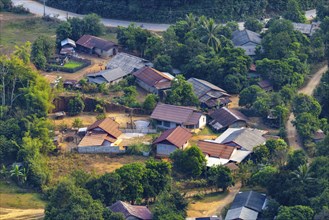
(304, 103)
(77, 26)
(163, 63)
(249, 95)
(76, 106)
(106, 188)
(16, 172)
(302, 174)
(154, 47)
(233, 82)
(294, 12)
(306, 124)
(320, 202)
(150, 102)
(264, 175)
(68, 201)
(93, 25)
(253, 25)
(322, 94)
(261, 154)
(63, 31)
(131, 176)
(322, 148)
(296, 159)
(23, 52)
(295, 212)
(157, 178)
(190, 162)
(322, 9)
(220, 177)
(181, 93)
(170, 206)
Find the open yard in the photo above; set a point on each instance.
(17, 29)
(64, 164)
(14, 197)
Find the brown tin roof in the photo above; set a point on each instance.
(215, 149)
(227, 117)
(140, 212)
(90, 42)
(153, 77)
(172, 113)
(177, 136)
(108, 125)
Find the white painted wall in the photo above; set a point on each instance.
(202, 121)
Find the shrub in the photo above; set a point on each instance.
(77, 123)
(76, 106)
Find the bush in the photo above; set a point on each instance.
(136, 149)
(76, 106)
(77, 123)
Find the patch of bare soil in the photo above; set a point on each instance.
(21, 214)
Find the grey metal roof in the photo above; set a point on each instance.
(68, 41)
(205, 90)
(250, 50)
(304, 28)
(239, 38)
(106, 76)
(249, 199)
(247, 138)
(128, 63)
(226, 117)
(241, 213)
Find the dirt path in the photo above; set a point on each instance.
(293, 138)
(21, 214)
(213, 205)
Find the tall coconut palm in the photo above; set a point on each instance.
(302, 174)
(210, 37)
(191, 21)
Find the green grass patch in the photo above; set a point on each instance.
(17, 29)
(72, 64)
(14, 197)
(208, 131)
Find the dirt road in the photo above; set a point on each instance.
(21, 214)
(293, 138)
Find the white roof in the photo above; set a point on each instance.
(82, 129)
(239, 155)
(212, 161)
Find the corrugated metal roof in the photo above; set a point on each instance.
(108, 125)
(95, 139)
(176, 114)
(226, 117)
(152, 77)
(249, 199)
(239, 38)
(242, 213)
(91, 42)
(68, 41)
(107, 76)
(128, 63)
(247, 138)
(177, 136)
(216, 149)
(140, 212)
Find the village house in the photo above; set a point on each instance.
(247, 40)
(153, 80)
(265, 85)
(170, 140)
(67, 47)
(208, 94)
(221, 154)
(307, 29)
(101, 137)
(131, 212)
(110, 76)
(224, 117)
(170, 116)
(128, 63)
(242, 138)
(95, 45)
(246, 206)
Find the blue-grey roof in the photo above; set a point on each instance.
(240, 38)
(250, 199)
(246, 137)
(128, 63)
(68, 41)
(106, 76)
(241, 213)
(205, 90)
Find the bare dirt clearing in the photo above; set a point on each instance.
(21, 214)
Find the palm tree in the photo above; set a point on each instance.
(191, 21)
(210, 37)
(302, 174)
(16, 172)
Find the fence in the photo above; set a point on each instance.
(85, 63)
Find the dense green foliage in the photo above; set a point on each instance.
(76, 106)
(169, 11)
(190, 162)
(322, 95)
(220, 177)
(42, 50)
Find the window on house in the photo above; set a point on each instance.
(166, 124)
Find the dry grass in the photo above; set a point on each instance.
(64, 164)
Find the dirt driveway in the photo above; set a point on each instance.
(21, 214)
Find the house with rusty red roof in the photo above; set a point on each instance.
(131, 212)
(170, 116)
(172, 139)
(103, 136)
(153, 80)
(95, 45)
